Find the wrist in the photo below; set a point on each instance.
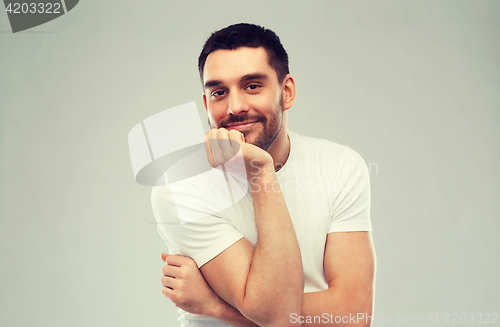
(258, 166)
(216, 310)
(263, 179)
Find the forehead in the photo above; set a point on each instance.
(225, 65)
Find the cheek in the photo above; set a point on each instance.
(215, 114)
(268, 104)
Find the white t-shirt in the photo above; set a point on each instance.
(326, 188)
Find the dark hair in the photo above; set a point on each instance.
(247, 35)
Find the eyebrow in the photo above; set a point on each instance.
(247, 77)
(212, 83)
(253, 76)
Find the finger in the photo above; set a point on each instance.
(165, 256)
(167, 292)
(169, 282)
(217, 150)
(237, 136)
(208, 149)
(175, 260)
(227, 151)
(171, 271)
(237, 139)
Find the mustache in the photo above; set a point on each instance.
(241, 118)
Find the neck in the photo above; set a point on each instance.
(280, 149)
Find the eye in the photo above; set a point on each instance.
(217, 94)
(253, 86)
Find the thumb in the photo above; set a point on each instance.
(164, 256)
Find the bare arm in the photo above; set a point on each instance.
(350, 271)
(193, 294)
(265, 283)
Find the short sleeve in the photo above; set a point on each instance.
(350, 207)
(201, 239)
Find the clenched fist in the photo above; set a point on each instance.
(186, 287)
(228, 148)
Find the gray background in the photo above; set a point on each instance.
(413, 86)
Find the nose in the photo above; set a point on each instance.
(237, 104)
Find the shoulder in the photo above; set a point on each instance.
(324, 150)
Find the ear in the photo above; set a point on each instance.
(289, 92)
(205, 101)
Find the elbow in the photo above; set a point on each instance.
(272, 316)
(282, 321)
(273, 309)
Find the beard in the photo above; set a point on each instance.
(271, 126)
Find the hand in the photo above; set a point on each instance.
(186, 287)
(228, 148)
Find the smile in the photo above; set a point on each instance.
(242, 126)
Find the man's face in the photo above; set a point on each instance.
(242, 92)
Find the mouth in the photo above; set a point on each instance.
(242, 126)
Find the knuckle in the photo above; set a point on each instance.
(181, 286)
(221, 132)
(190, 263)
(234, 135)
(182, 274)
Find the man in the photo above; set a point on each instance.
(296, 249)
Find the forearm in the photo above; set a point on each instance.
(225, 312)
(329, 307)
(275, 282)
